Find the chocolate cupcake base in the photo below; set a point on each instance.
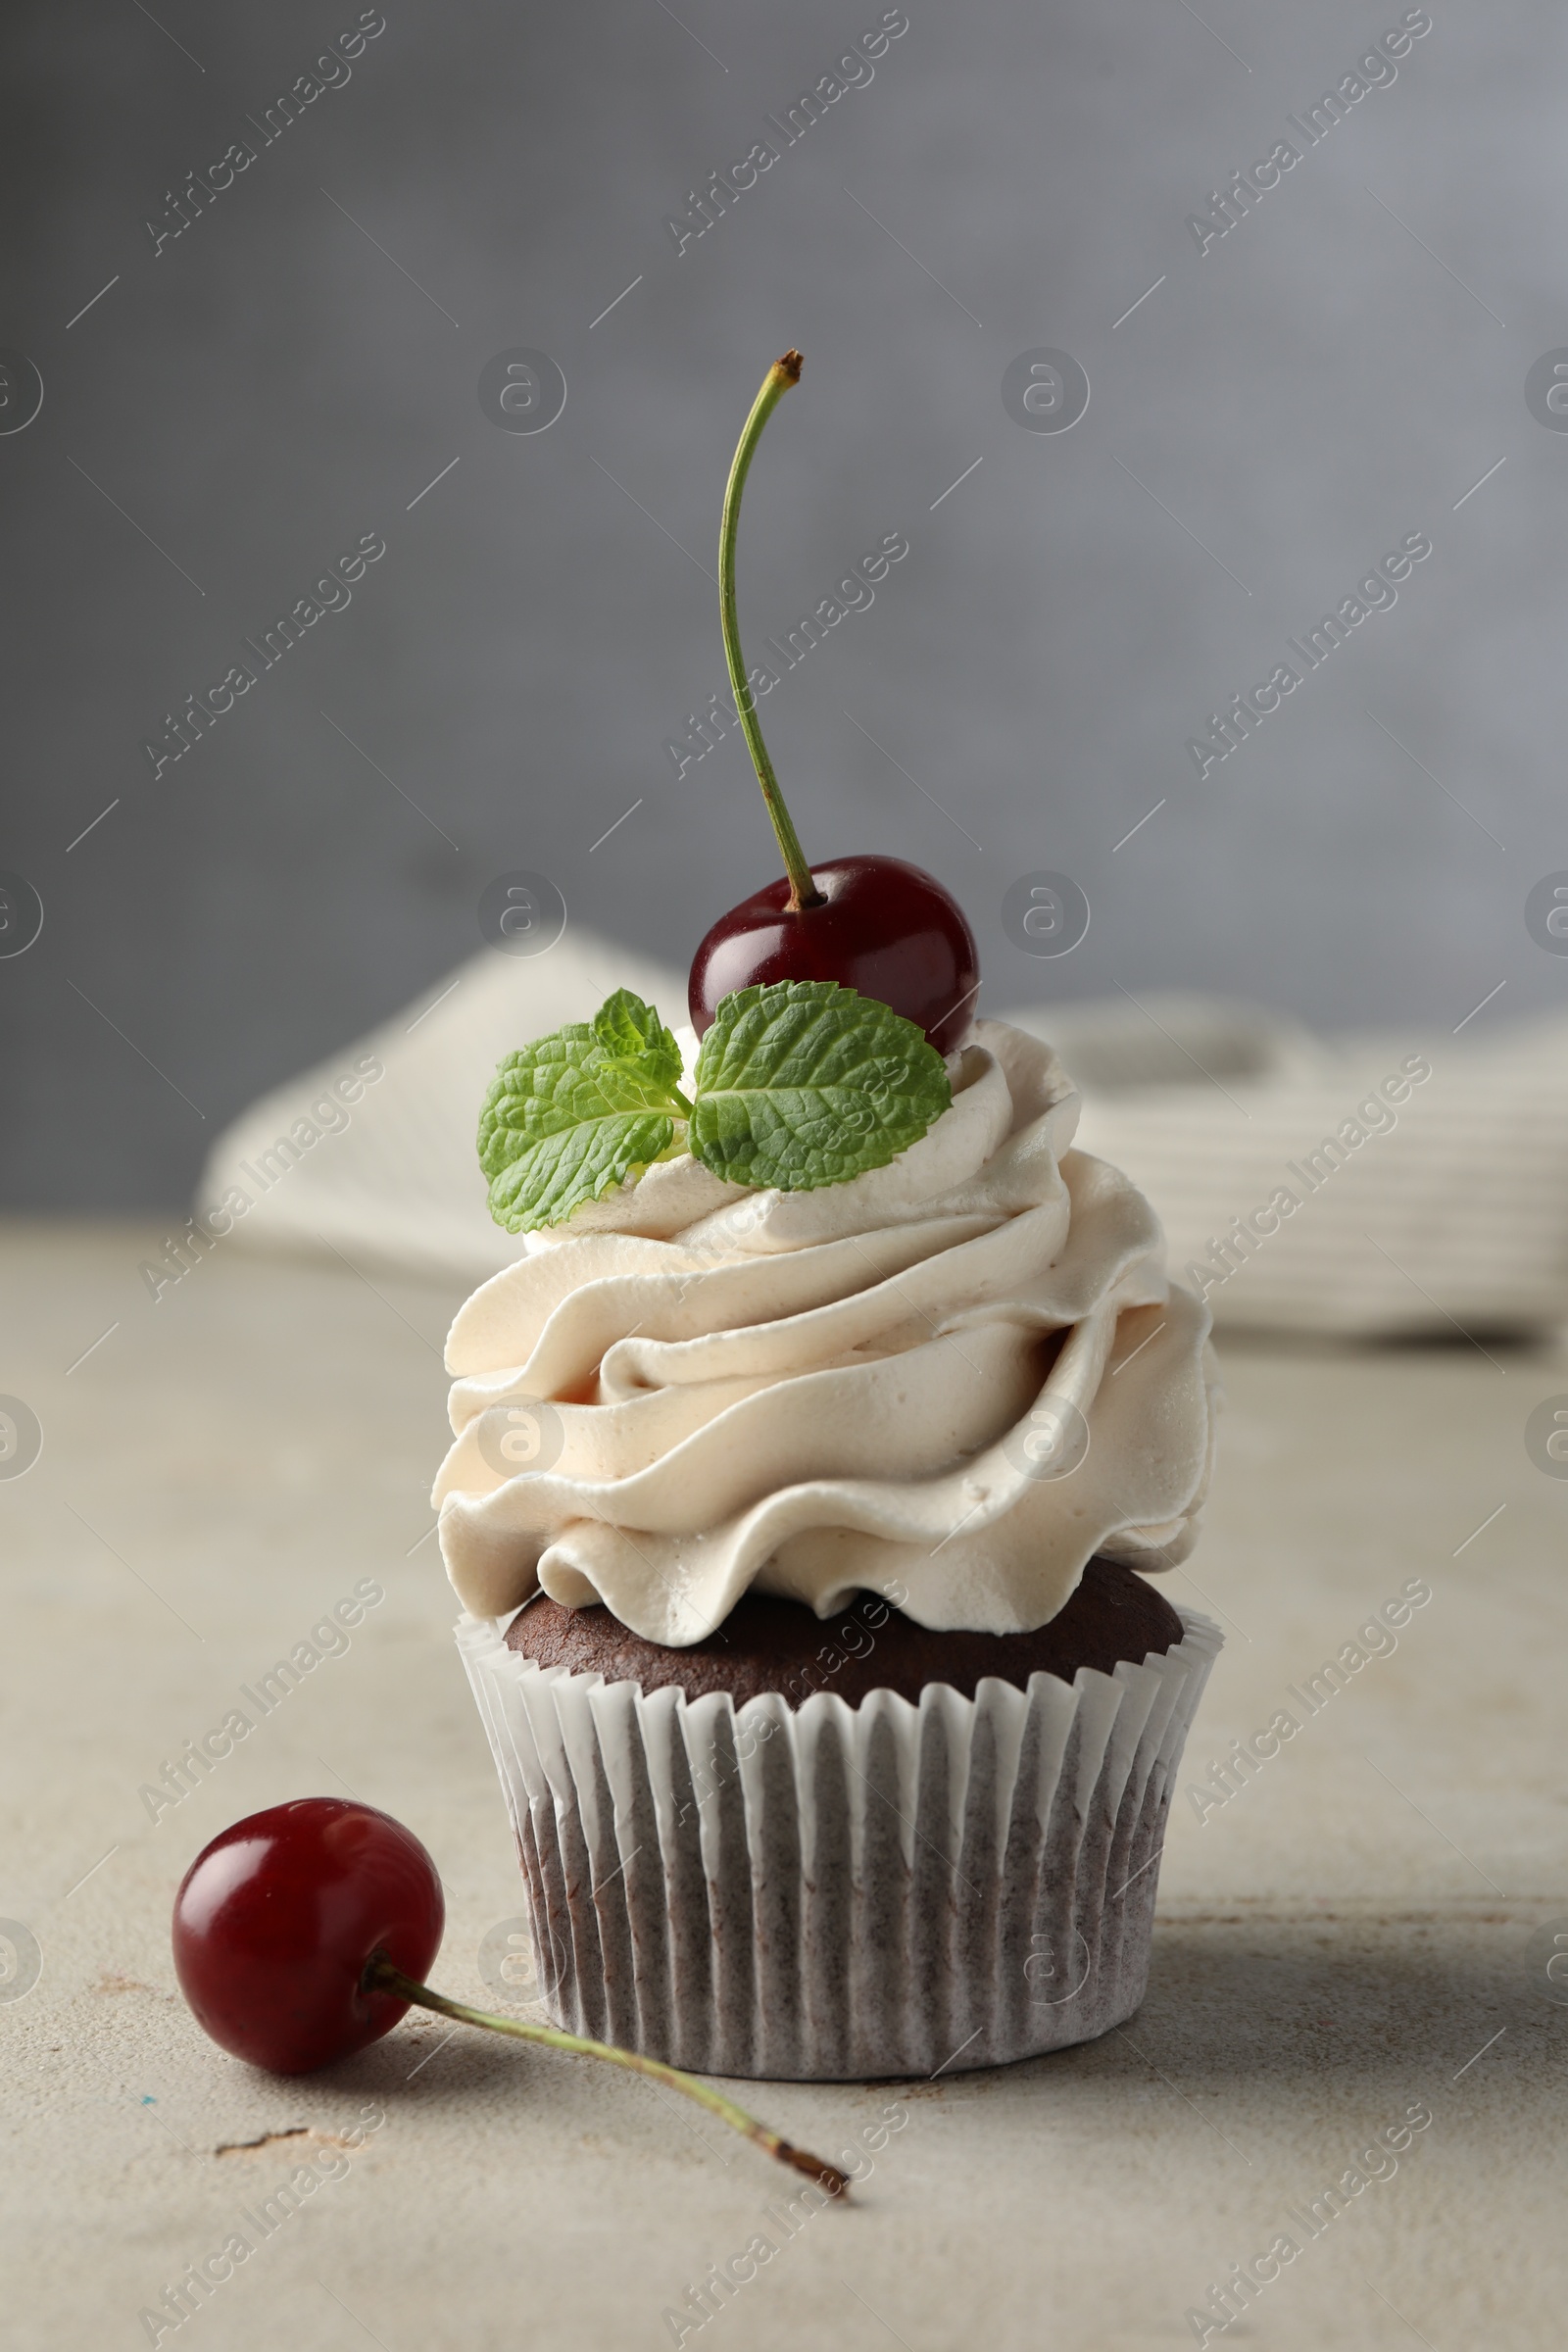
(906, 1884)
(767, 1645)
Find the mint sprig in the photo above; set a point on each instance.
(799, 1085)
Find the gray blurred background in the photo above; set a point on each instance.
(242, 404)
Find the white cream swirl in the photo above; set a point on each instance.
(814, 1392)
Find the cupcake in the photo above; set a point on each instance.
(808, 1471)
(836, 1720)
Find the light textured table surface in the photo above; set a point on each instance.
(1349, 1934)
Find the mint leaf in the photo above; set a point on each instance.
(799, 1085)
(563, 1120)
(629, 1030)
(803, 1083)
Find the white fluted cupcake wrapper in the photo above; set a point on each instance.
(836, 1892)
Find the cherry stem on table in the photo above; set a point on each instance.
(783, 372)
(381, 1975)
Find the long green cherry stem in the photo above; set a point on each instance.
(783, 372)
(381, 1975)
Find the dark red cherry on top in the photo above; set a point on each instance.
(276, 1921)
(874, 924)
(884, 929)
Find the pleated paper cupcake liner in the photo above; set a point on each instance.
(836, 1892)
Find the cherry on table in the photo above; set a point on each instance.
(300, 1934)
(278, 1919)
(881, 927)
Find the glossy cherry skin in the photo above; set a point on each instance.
(275, 1920)
(887, 930)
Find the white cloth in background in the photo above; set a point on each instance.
(1450, 1209)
